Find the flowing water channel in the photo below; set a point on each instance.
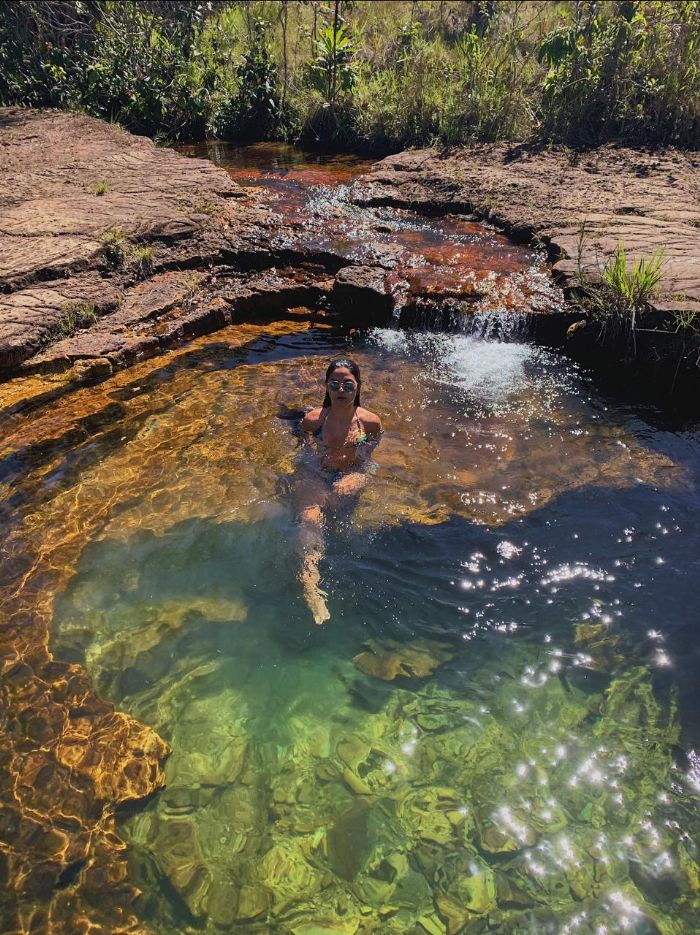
(495, 731)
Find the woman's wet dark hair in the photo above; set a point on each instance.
(354, 370)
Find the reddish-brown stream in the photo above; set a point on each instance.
(446, 267)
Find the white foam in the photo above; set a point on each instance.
(488, 370)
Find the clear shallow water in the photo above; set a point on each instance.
(496, 729)
(527, 768)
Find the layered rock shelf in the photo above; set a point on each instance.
(107, 242)
(581, 205)
(114, 249)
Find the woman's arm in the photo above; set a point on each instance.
(371, 423)
(311, 420)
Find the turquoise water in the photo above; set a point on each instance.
(495, 730)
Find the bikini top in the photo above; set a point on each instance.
(361, 438)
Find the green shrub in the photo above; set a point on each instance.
(400, 105)
(379, 75)
(252, 113)
(131, 62)
(102, 188)
(623, 70)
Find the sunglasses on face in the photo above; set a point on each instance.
(348, 386)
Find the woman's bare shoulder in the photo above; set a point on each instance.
(312, 419)
(370, 420)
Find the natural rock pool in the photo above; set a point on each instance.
(495, 731)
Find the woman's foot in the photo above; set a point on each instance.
(316, 600)
(311, 580)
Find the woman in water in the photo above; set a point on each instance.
(345, 434)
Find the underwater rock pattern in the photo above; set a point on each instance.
(69, 760)
(350, 817)
(387, 659)
(437, 813)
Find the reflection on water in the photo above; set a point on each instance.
(487, 731)
(496, 730)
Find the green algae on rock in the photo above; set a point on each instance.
(388, 659)
(455, 815)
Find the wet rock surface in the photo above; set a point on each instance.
(115, 249)
(360, 293)
(646, 201)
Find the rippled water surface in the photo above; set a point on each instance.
(494, 732)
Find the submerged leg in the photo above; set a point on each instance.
(313, 497)
(349, 484)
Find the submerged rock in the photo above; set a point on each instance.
(348, 843)
(600, 644)
(345, 927)
(289, 877)
(253, 901)
(178, 852)
(505, 833)
(388, 659)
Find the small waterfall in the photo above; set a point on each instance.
(497, 325)
(459, 317)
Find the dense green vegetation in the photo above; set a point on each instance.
(374, 75)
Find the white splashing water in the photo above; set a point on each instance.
(496, 326)
(490, 371)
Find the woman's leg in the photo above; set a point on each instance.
(348, 484)
(313, 495)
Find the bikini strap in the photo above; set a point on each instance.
(322, 420)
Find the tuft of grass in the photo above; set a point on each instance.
(191, 285)
(142, 258)
(114, 246)
(73, 317)
(118, 251)
(687, 323)
(102, 188)
(622, 294)
(629, 291)
(204, 205)
(632, 289)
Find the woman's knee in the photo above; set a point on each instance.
(312, 514)
(349, 484)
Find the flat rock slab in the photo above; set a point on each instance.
(186, 212)
(51, 167)
(644, 201)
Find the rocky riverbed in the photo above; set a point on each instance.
(645, 201)
(580, 207)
